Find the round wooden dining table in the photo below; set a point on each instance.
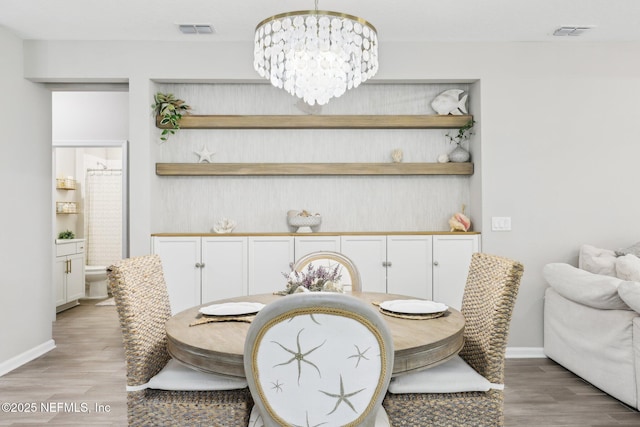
(218, 347)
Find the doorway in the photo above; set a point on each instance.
(91, 182)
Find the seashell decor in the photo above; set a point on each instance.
(459, 221)
(224, 225)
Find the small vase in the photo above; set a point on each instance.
(459, 155)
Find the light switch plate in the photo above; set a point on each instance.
(501, 223)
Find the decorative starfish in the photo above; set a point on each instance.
(205, 155)
(299, 356)
(295, 425)
(342, 397)
(312, 318)
(277, 386)
(360, 355)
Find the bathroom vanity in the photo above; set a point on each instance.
(68, 273)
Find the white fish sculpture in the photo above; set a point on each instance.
(449, 102)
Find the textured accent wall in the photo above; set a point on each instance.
(347, 203)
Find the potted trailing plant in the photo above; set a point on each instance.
(66, 234)
(459, 154)
(170, 110)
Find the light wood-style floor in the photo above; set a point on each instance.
(82, 382)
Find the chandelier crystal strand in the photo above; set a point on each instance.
(316, 55)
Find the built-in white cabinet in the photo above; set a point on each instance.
(451, 259)
(423, 266)
(181, 259)
(409, 266)
(199, 269)
(68, 273)
(304, 245)
(224, 267)
(397, 264)
(369, 254)
(269, 257)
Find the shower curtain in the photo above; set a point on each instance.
(103, 216)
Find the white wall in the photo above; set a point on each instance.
(90, 116)
(26, 256)
(558, 152)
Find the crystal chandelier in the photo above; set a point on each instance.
(316, 54)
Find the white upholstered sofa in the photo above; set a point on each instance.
(592, 320)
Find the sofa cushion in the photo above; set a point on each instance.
(633, 249)
(630, 294)
(628, 268)
(597, 260)
(593, 290)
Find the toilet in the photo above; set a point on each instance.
(95, 279)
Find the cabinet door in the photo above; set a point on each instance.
(305, 245)
(60, 280)
(224, 274)
(75, 277)
(451, 259)
(409, 266)
(269, 257)
(180, 258)
(369, 254)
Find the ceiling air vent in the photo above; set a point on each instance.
(196, 29)
(571, 31)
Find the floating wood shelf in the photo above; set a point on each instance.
(244, 169)
(321, 122)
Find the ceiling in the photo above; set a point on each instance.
(397, 20)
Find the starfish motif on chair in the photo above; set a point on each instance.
(360, 355)
(277, 386)
(308, 425)
(299, 356)
(342, 397)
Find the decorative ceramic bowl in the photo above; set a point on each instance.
(304, 223)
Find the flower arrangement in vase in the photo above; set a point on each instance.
(459, 154)
(313, 279)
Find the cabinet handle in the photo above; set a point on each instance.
(202, 265)
(389, 263)
(69, 261)
(435, 263)
(198, 265)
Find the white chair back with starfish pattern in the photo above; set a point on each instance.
(318, 358)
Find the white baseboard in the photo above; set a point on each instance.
(525, 353)
(27, 356)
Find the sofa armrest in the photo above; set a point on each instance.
(592, 290)
(630, 293)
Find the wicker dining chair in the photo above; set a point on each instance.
(330, 259)
(453, 394)
(160, 391)
(318, 358)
